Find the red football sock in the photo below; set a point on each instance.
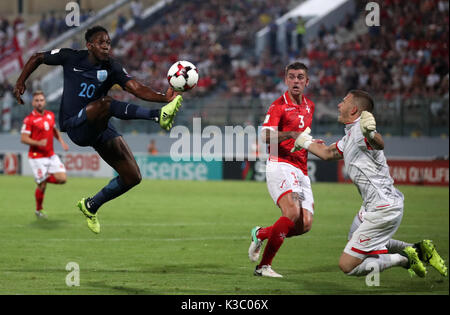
(39, 195)
(296, 230)
(279, 231)
(51, 179)
(264, 233)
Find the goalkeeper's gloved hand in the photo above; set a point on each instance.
(303, 141)
(368, 125)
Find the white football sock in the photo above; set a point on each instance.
(381, 262)
(396, 247)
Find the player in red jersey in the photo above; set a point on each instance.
(286, 173)
(38, 130)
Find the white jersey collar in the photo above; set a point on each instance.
(348, 126)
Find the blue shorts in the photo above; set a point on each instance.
(84, 134)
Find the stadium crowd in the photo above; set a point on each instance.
(53, 24)
(406, 57)
(8, 29)
(215, 35)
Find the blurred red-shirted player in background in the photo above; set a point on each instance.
(38, 130)
(286, 172)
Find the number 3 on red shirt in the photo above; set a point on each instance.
(302, 123)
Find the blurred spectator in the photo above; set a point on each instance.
(136, 12)
(4, 25)
(61, 25)
(120, 25)
(273, 30)
(433, 79)
(18, 23)
(51, 23)
(152, 149)
(43, 26)
(290, 28)
(86, 14)
(300, 31)
(4, 86)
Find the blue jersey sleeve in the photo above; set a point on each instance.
(57, 57)
(119, 74)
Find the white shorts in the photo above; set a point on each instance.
(371, 230)
(42, 167)
(283, 178)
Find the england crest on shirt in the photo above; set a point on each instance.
(102, 75)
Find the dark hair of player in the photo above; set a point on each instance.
(296, 65)
(363, 100)
(92, 31)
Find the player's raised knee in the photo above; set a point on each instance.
(132, 180)
(293, 214)
(99, 109)
(346, 265)
(307, 221)
(307, 227)
(344, 268)
(289, 208)
(105, 102)
(61, 178)
(138, 179)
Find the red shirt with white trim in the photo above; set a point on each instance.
(284, 115)
(40, 126)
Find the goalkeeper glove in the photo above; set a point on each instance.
(368, 125)
(303, 141)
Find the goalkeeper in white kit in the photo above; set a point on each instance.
(370, 238)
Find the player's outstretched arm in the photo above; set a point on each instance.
(269, 136)
(325, 152)
(58, 136)
(316, 146)
(147, 94)
(376, 142)
(26, 139)
(368, 128)
(35, 61)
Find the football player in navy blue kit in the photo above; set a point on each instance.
(85, 110)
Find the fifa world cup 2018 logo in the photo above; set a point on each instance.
(373, 16)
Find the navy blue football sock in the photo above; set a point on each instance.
(128, 111)
(114, 189)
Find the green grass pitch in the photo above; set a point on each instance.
(180, 237)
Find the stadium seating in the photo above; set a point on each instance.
(404, 63)
(398, 61)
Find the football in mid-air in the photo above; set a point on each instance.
(182, 76)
